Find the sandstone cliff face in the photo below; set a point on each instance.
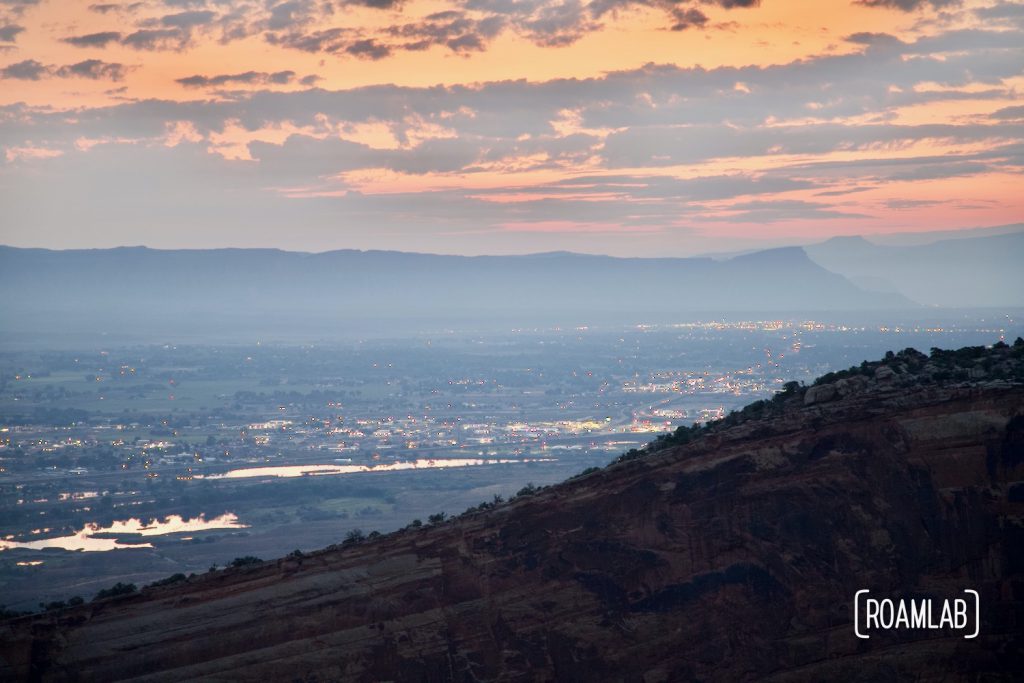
(735, 557)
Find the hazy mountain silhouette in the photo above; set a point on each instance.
(136, 288)
(907, 239)
(964, 272)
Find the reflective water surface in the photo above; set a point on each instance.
(314, 470)
(87, 539)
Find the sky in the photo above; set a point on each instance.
(623, 127)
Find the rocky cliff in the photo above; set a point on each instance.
(726, 553)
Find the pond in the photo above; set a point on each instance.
(95, 538)
(316, 470)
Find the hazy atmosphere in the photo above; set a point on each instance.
(511, 340)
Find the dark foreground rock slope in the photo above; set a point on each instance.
(735, 556)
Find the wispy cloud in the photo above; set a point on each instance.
(315, 118)
(95, 69)
(100, 39)
(249, 78)
(9, 32)
(317, 26)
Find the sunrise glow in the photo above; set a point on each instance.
(629, 127)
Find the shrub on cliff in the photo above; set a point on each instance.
(354, 536)
(116, 590)
(173, 578)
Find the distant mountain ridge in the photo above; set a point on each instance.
(141, 288)
(962, 272)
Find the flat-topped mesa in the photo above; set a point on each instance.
(729, 552)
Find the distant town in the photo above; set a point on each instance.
(187, 456)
